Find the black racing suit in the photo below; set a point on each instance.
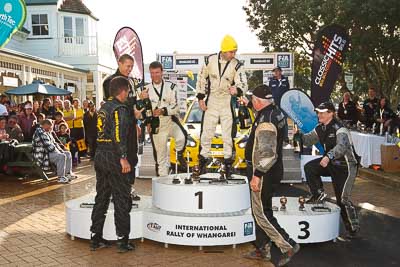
(132, 135)
(279, 87)
(342, 167)
(114, 125)
(263, 155)
(369, 112)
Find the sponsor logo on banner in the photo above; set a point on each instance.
(154, 227)
(201, 231)
(12, 17)
(332, 53)
(248, 228)
(167, 62)
(127, 42)
(328, 57)
(283, 61)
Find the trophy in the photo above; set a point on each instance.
(196, 173)
(176, 179)
(302, 200)
(188, 179)
(283, 201)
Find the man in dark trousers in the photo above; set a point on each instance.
(113, 167)
(279, 84)
(369, 107)
(125, 66)
(262, 151)
(339, 162)
(90, 124)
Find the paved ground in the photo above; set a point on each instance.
(32, 231)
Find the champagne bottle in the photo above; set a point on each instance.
(155, 124)
(148, 108)
(244, 116)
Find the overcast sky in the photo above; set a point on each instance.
(165, 26)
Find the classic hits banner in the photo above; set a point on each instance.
(127, 42)
(328, 57)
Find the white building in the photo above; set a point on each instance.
(65, 31)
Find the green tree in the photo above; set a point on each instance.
(374, 29)
(254, 79)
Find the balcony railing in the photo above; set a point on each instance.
(78, 46)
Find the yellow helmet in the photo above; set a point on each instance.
(228, 44)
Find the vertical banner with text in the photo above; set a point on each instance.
(127, 42)
(328, 57)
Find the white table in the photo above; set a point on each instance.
(368, 146)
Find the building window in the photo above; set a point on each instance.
(40, 25)
(79, 30)
(68, 31)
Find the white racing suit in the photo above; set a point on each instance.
(164, 96)
(214, 81)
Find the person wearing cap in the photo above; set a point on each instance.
(221, 78)
(339, 161)
(262, 153)
(279, 84)
(27, 121)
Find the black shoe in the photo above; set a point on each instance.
(317, 199)
(286, 257)
(97, 241)
(135, 196)
(123, 245)
(202, 164)
(182, 162)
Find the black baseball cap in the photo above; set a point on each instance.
(325, 106)
(277, 68)
(262, 91)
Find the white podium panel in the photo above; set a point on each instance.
(308, 226)
(219, 215)
(200, 197)
(197, 230)
(78, 220)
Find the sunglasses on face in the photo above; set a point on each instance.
(12, 122)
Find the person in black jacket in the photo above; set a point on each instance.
(383, 116)
(90, 124)
(263, 155)
(125, 66)
(113, 167)
(279, 84)
(338, 161)
(369, 107)
(347, 111)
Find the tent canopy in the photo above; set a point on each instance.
(38, 87)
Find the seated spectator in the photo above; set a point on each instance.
(3, 130)
(383, 116)
(90, 124)
(46, 151)
(13, 129)
(347, 111)
(58, 119)
(47, 109)
(27, 121)
(64, 136)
